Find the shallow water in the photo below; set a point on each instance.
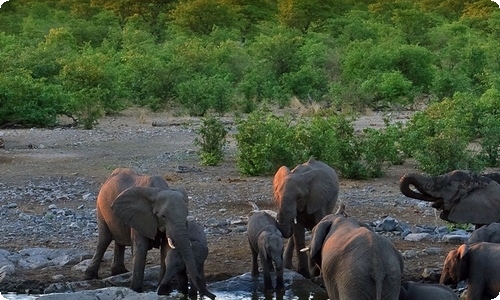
(241, 287)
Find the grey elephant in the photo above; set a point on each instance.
(266, 242)
(462, 196)
(490, 233)
(303, 196)
(141, 210)
(479, 264)
(175, 266)
(356, 262)
(411, 290)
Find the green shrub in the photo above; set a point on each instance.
(490, 139)
(265, 142)
(381, 147)
(445, 152)
(211, 141)
(27, 101)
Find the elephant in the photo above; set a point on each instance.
(462, 196)
(490, 233)
(141, 211)
(175, 266)
(479, 264)
(411, 290)
(356, 263)
(303, 196)
(266, 242)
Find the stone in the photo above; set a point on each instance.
(431, 274)
(455, 239)
(416, 237)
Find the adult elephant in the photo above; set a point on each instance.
(141, 210)
(356, 262)
(479, 264)
(303, 196)
(462, 196)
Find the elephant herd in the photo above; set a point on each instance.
(354, 262)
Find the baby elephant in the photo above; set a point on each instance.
(479, 264)
(490, 233)
(175, 265)
(411, 290)
(266, 242)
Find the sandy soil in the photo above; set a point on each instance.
(218, 194)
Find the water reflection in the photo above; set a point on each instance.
(243, 287)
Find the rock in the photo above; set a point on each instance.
(455, 239)
(387, 224)
(110, 293)
(433, 250)
(416, 237)
(151, 276)
(431, 274)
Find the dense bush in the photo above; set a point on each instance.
(266, 142)
(216, 56)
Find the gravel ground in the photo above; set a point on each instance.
(49, 180)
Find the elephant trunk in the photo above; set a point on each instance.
(415, 180)
(183, 245)
(287, 215)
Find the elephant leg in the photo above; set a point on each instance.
(255, 264)
(174, 265)
(139, 252)
(163, 257)
(268, 284)
(300, 243)
(183, 280)
(288, 255)
(280, 286)
(103, 241)
(118, 264)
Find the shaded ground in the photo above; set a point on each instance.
(219, 195)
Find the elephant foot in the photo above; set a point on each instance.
(304, 272)
(91, 274)
(136, 289)
(164, 289)
(118, 270)
(280, 287)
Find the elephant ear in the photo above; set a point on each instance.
(134, 207)
(320, 231)
(279, 180)
(181, 189)
(320, 189)
(480, 205)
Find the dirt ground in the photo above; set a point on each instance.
(218, 194)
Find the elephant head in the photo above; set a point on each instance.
(463, 197)
(455, 266)
(148, 210)
(309, 188)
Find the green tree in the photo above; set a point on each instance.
(203, 16)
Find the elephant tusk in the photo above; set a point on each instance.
(295, 221)
(305, 249)
(170, 243)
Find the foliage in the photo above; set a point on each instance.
(211, 141)
(91, 58)
(28, 101)
(266, 142)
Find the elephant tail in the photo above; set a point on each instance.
(378, 276)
